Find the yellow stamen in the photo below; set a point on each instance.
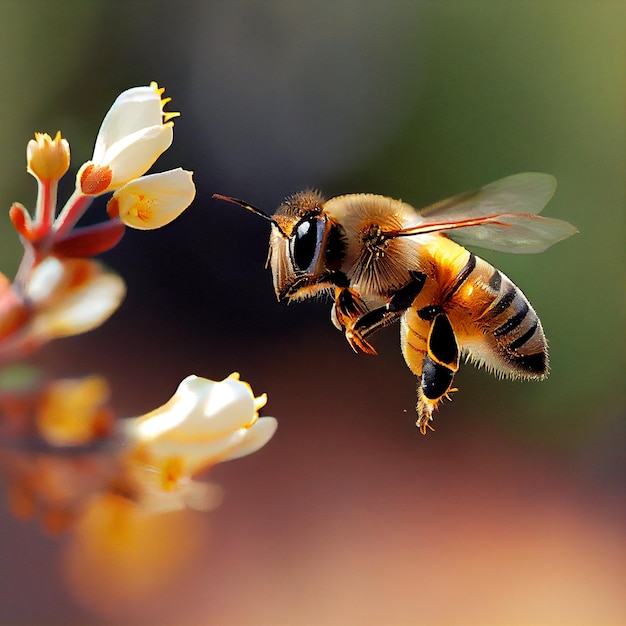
(167, 115)
(142, 207)
(171, 473)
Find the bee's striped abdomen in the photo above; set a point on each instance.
(500, 328)
(515, 327)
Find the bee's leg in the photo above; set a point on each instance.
(374, 320)
(347, 308)
(441, 363)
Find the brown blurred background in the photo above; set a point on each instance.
(513, 510)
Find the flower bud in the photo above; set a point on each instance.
(47, 158)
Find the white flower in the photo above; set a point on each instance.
(204, 423)
(134, 133)
(70, 296)
(153, 201)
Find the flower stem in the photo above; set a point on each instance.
(71, 213)
(46, 204)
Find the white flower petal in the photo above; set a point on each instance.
(254, 438)
(155, 200)
(133, 110)
(201, 410)
(163, 420)
(82, 309)
(230, 406)
(199, 496)
(44, 280)
(184, 405)
(136, 153)
(195, 455)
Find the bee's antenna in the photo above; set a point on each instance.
(252, 209)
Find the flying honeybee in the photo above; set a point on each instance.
(384, 261)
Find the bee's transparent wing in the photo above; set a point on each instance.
(500, 216)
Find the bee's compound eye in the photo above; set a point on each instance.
(305, 243)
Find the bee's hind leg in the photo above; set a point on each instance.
(440, 364)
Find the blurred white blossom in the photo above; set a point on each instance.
(70, 296)
(204, 423)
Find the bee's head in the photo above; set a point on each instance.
(297, 254)
(297, 247)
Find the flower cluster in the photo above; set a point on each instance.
(61, 297)
(58, 291)
(81, 452)
(152, 461)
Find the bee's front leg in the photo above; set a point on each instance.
(347, 310)
(358, 326)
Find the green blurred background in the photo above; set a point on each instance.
(416, 100)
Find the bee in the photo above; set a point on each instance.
(384, 262)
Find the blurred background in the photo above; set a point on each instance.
(513, 510)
